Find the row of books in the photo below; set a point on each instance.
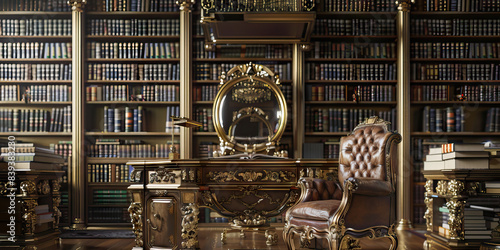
(349, 71)
(429, 92)
(455, 71)
(35, 5)
(21, 152)
(204, 115)
(39, 72)
(131, 150)
(325, 92)
(258, 6)
(172, 111)
(374, 93)
(110, 50)
(108, 215)
(479, 92)
(62, 148)
(420, 147)
(9, 93)
(21, 50)
(418, 167)
(47, 93)
(462, 5)
(450, 119)
(124, 119)
(133, 71)
(492, 123)
(355, 27)
(206, 149)
(455, 27)
(134, 5)
(245, 51)
(153, 93)
(205, 92)
(108, 173)
(212, 71)
(454, 50)
(353, 50)
(358, 5)
(35, 27)
(332, 150)
(35, 120)
(134, 27)
(342, 119)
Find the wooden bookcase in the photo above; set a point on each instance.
(443, 61)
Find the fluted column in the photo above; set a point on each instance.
(77, 117)
(298, 98)
(403, 107)
(186, 63)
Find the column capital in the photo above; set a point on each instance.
(185, 5)
(77, 5)
(404, 5)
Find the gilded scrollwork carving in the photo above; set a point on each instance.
(77, 5)
(135, 176)
(456, 220)
(428, 186)
(251, 176)
(185, 5)
(56, 185)
(28, 188)
(43, 187)
(135, 210)
(3, 188)
(428, 213)
(162, 175)
(442, 187)
(455, 187)
(189, 233)
(306, 236)
(161, 192)
(28, 216)
(57, 213)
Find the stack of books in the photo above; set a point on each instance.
(457, 156)
(28, 156)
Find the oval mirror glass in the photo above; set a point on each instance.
(249, 110)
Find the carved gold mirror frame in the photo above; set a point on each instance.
(241, 74)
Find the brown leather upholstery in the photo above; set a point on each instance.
(361, 203)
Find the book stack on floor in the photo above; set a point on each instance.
(479, 221)
(457, 156)
(29, 156)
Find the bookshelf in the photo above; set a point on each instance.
(454, 79)
(350, 72)
(132, 64)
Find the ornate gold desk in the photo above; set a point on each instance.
(165, 206)
(453, 188)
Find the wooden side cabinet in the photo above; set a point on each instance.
(454, 189)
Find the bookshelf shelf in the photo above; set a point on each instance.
(106, 160)
(105, 184)
(205, 133)
(36, 134)
(142, 38)
(352, 38)
(455, 59)
(132, 102)
(351, 59)
(132, 14)
(38, 60)
(129, 134)
(352, 81)
(204, 102)
(472, 103)
(34, 103)
(38, 82)
(242, 59)
(218, 81)
(456, 38)
(36, 37)
(327, 133)
(455, 134)
(132, 81)
(451, 82)
(469, 14)
(109, 205)
(156, 60)
(356, 14)
(35, 13)
(349, 103)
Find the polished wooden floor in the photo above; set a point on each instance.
(210, 239)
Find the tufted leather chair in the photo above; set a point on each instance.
(363, 201)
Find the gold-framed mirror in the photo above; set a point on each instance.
(249, 112)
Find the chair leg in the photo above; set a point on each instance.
(334, 242)
(288, 238)
(394, 242)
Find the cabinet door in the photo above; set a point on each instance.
(163, 225)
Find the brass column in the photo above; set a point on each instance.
(298, 99)
(403, 107)
(77, 118)
(186, 62)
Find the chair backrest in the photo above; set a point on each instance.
(364, 152)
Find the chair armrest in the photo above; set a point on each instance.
(365, 186)
(311, 192)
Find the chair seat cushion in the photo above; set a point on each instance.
(316, 210)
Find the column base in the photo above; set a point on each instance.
(77, 225)
(404, 224)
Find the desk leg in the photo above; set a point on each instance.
(189, 224)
